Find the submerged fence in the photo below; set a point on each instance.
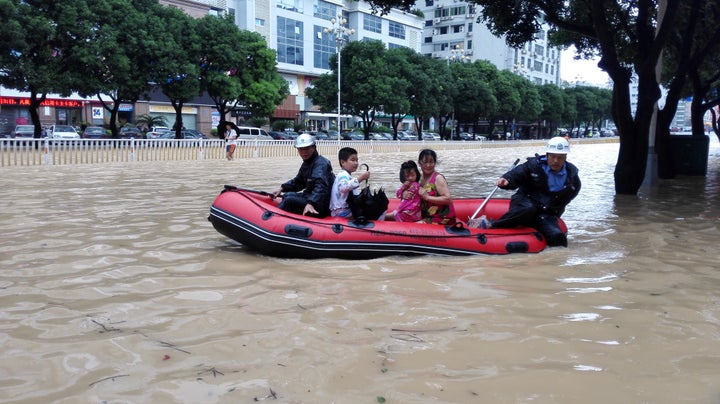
(29, 152)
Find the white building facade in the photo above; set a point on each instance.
(452, 28)
(296, 30)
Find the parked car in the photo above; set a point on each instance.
(63, 132)
(320, 136)
(431, 136)
(354, 135)
(277, 135)
(407, 135)
(128, 132)
(156, 132)
(94, 132)
(185, 133)
(380, 136)
(250, 133)
(193, 134)
(23, 131)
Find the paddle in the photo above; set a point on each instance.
(234, 188)
(482, 206)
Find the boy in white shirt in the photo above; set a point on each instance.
(345, 183)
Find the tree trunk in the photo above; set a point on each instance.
(634, 133)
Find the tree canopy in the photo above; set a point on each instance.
(120, 50)
(631, 38)
(400, 82)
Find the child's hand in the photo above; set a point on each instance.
(364, 176)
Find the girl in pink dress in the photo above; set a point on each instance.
(408, 193)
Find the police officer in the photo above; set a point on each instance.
(545, 186)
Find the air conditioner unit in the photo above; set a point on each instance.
(469, 33)
(436, 54)
(437, 20)
(468, 52)
(439, 6)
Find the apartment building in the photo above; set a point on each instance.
(296, 30)
(453, 31)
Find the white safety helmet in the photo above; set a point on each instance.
(558, 145)
(304, 140)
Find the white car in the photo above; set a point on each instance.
(63, 132)
(250, 133)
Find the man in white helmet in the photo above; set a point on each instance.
(308, 193)
(545, 186)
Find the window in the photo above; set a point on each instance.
(458, 28)
(539, 50)
(259, 22)
(290, 41)
(428, 39)
(538, 66)
(324, 10)
(372, 23)
(470, 27)
(291, 5)
(397, 30)
(324, 47)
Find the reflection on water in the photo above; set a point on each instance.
(115, 288)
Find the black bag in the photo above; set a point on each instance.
(368, 205)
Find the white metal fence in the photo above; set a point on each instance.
(29, 152)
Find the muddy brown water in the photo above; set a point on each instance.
(115, 288)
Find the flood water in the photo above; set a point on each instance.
(115, 288)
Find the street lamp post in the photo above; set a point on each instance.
(342, 35)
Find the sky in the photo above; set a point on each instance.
(585, 70)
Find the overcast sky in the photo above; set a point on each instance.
(584, 70)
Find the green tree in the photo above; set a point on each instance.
(553, 107)
(115, 62)
(176, 70)
(690, 62)
(630, 38)
(40, 40)
(365, 82)
(400, 72)
(237, 68)
(475, 96)
(530, 102)
(425, 99)
(508, 98)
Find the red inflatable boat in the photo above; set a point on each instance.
(253, 219)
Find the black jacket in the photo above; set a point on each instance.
(315, 179)
(531, 182)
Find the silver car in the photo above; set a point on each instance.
(23, 131)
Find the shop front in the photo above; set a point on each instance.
(189, 115)
(14, 110)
